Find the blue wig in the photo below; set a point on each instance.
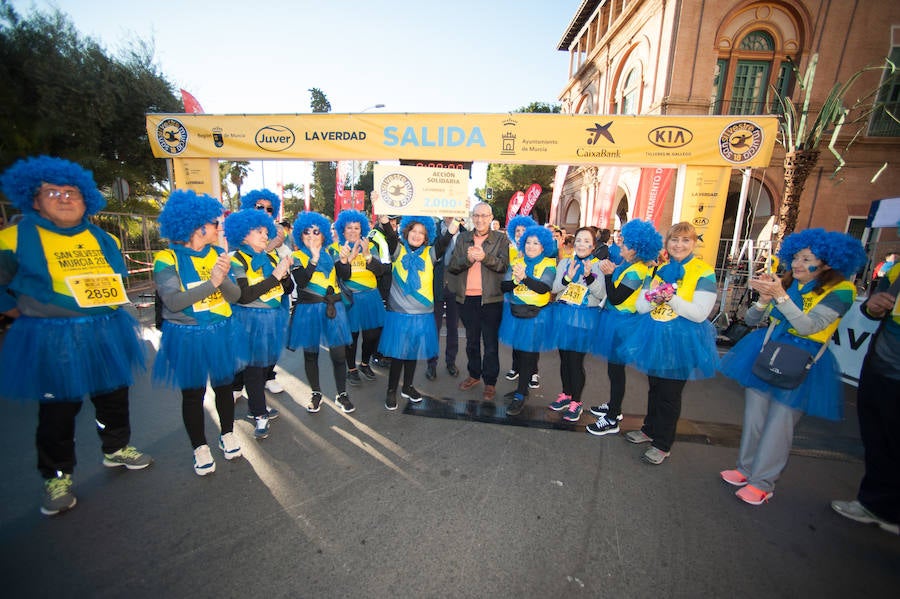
(643, 238)
(350, 216)
(185, 212)
(425, 221)
(544, 236)
(248, 201)
(516, 222)
(311, 219)
(841, 252)
(239, 224)
(22, 180)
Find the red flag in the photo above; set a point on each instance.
(531, 197)
(605, 197)
(515, 201)
(651, 194)
(191, 105)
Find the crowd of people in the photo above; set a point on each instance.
(640, 299)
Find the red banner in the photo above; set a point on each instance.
(356, 201)
(515, 202)
(605, 197)
(191, 105)
(651, 194)
(338, 189)
(531, 197)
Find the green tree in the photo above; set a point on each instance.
(323, 186)
(62, 94)
(506, 179)
(294, 200)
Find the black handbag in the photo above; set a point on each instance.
(784, 365)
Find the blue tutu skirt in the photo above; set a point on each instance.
(528, 334)
(575, 328)
(615, 328)
(64, 359)
(818, 395)
(189, 355)
(311, 327)
(367, 311)
(409, 336)
(263, 331)
(678, 349)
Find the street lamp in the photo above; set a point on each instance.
(353, 162)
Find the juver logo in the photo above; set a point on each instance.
(275, 138)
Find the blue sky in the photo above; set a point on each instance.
(412, 56)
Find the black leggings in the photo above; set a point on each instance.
(338, 364)
(369, 345)
(192, 412)
(528, 361)
(409, 371)
(616, 374)
(571, 371)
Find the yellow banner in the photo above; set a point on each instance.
(734, 141)
(703, 205)
(198, 174)
(420, 190)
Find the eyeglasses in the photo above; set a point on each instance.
(268, 209)
(312, 231)
(57, 194)
(216, 223)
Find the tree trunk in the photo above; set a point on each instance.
(797, 167)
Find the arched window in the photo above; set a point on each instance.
(629, 95)
(743, 75)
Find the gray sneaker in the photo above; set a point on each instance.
(637, 436)
(129, 457)
(856, 511)
(655, 456)
(58, 495)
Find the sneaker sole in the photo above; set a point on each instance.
(204, 470)
(764, 499)
(533, 386)
(47, 512)
(259, 437)
(864, 519)
(742, 483)
(251, 417)
(558, 408)
(274, 391)
(639, 441)
(411, 398)
(572, 418)
(111, 464)
(345, 410)
(391, 408)
(647, 460)
(600, 433)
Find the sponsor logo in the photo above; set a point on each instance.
(599, 131)
(275, 138)
(334, 135)
(396, 190)
(218, 138)
(172, 136)
(740, 141)
(508, 138)
(670, 137)
(700, 221)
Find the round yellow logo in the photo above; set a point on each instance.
(740, 141)
(396, 190)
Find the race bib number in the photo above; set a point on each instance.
(663, 313)
(209, 302)
(93, 291)
(574, 294)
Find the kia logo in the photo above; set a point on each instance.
(700, 221)
(275, 138)
(670, 137)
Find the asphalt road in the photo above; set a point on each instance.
(447, 500)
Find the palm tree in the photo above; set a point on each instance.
(234, 172)
(803, 131)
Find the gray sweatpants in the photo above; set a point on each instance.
(766, 439)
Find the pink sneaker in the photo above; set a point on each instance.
(753, 496)
(561, 403)
(573, 412)
(733, 477)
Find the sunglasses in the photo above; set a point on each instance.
(268, 209)
(312, 231)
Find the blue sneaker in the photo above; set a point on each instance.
(271, 413)
(573, 412)
(262, 428)
(561, 403)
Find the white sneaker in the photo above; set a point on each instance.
(203, 461)
(274, 386)
(229, 446)
(535, 382)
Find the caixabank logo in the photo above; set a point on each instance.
(171, 136)
(740, 141)
(275, 138)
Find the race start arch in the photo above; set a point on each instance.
(703, 149)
